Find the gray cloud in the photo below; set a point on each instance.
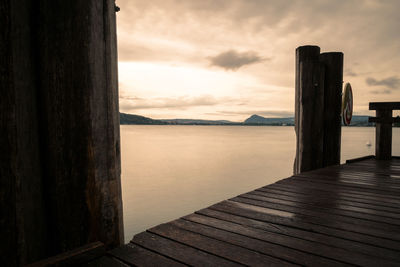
(264, 113)
(125, 97)
(233, 60)
(166, 103)
(392, 82)
(381, 92)
(350, 73)
(190, 31)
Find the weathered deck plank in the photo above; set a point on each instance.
(135, 255)
(335, 216)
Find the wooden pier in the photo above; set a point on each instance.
(340, 215)
(60, 182)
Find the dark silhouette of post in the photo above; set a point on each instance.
(318, 92)
(383, 132)
(59, 128)
(309, 102)
(333, 62)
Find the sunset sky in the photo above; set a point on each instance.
(229, 59)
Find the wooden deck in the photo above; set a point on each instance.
(341, 215)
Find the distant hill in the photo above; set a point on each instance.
(136, 119)
(360, 121)
(259, 120)
(255, 120)
(199, 122)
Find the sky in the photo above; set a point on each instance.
(229, 59)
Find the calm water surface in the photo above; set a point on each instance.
(171, 171)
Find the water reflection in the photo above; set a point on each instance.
(171, 171)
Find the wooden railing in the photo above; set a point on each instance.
(384, 120)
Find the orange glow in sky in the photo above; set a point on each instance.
(230, 59)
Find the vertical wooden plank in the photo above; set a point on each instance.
(64, 74)
(79, 127)
(30, 202)
(303, 53)
(105, 120)
(311, 116)
(8, 227)
(333, 62)
(383, 135)
(23, 216)
(60, 182)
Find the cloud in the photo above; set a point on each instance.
(382, 92)
(350, 73)
(166, 102)
(193, 33)
(264, 113)
(233, 60)
(125, 97)
(392, 82)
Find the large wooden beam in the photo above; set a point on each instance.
(8, 222)
(383, 127)
(384, 105)
(60, 182)
(383, 135)
(79, 108)
(318, 92)
(303, 53)
(333, 62)
(22, 212)
(309, 150)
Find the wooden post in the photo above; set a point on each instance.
(383, 135)
(22, 212)
(303, 53)
(80, 139)
(383, 127)
(59, 127)
(333, 62)
(309, 109)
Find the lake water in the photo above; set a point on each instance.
(171, 171)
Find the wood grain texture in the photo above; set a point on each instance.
(339, 215)
(333, 62)
(139, 256)
(384, 120)
(311, 116)
(106, 261)
(383, 135)
(59, 121)
(78, 96)
(384, 105)
(75, 257)
(8, 205)
(303, 53)
(383, 126)
(288, 231)
(21, 190)
(179, 251)
(239, 254)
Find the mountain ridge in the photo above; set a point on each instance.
(253, 120)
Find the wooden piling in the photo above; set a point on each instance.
(309, 109)
(59, 128)
(383, 135)
(383, 127)
(79, 100)
(303, 53)
(333, 62)
(22, 212)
